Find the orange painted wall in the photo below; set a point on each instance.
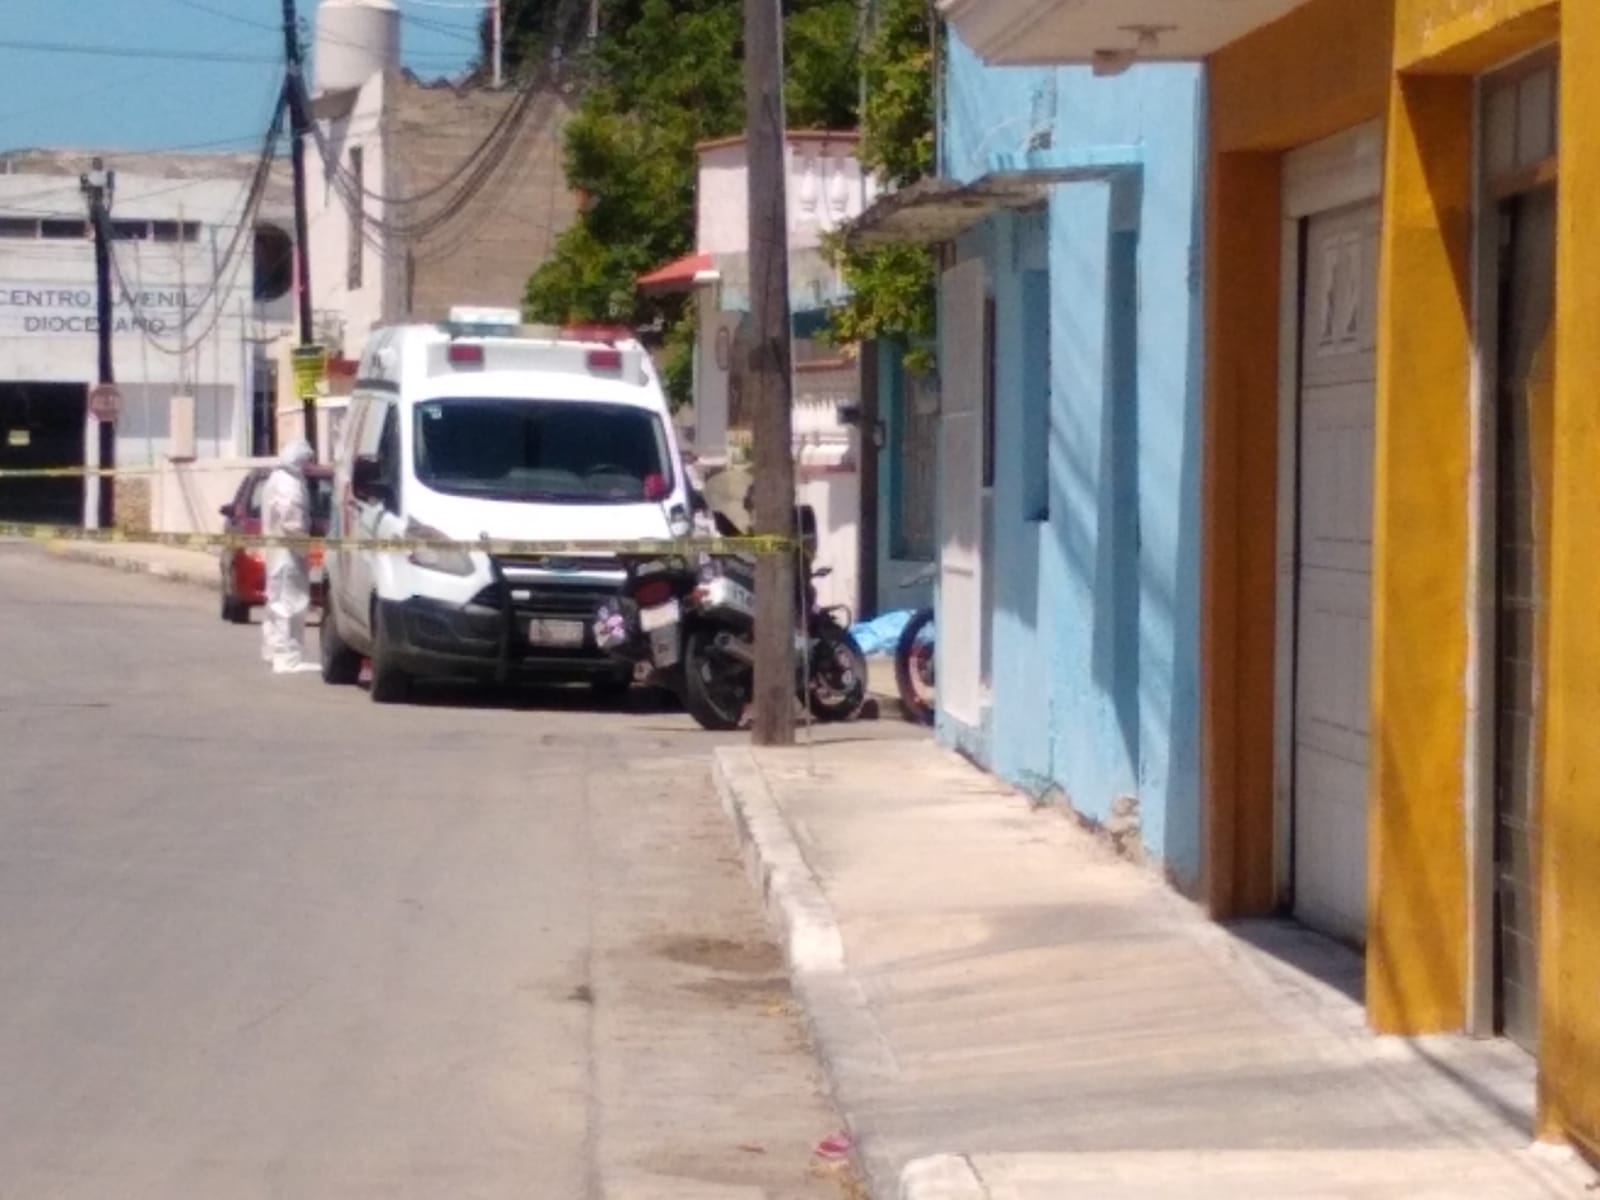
(1241, 460)
(1322, 68)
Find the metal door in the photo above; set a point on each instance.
(1333, 570)
(1522, 488)
(961, 448)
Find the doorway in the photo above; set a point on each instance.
(1524, 396)
(42, 425)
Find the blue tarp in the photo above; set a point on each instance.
(881, 634)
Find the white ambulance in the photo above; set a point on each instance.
(482, 428)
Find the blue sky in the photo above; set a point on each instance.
(129, 100)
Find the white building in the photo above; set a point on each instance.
(827, 188)
(201, 284)
(422, 196)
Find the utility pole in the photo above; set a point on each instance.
(771, 386)
(294, 90)
(497, 36)
(98, 186)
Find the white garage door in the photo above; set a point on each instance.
(1334, 570)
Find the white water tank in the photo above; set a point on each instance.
(356, 39)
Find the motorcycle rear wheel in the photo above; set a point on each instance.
(715, 692)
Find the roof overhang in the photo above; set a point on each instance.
(1111, 34)
(681, 275)
(933, 211)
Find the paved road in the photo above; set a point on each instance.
(261, 937)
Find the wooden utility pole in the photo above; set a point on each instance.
(299, 126)
(769, 377)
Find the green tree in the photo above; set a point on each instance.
(665, 75)
(892, 294)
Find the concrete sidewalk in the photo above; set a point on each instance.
(1010, 1012)
(196, 567)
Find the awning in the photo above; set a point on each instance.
(1112, 34)
(677, 276)
(940, 210)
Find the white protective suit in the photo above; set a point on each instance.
(286, 512)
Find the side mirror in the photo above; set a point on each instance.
(366, 480)
(227, 512)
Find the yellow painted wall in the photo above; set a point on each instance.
(1570, 848)
(1417, 924)
(1467, 37)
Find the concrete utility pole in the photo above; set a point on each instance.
(299, 126)
(98, 186)
(497, 36)
(771, 386)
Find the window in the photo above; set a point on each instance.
(389, 459)
(130, 231)
(63, 230)
(1035, 364)
(546, 450)
(173, 231)
(274, 264)
(988, 391)
(357, 245)
(18, 227)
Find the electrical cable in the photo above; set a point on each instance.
(229, 263)
(147, 52)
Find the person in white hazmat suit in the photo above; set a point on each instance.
(286, 512)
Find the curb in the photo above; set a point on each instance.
(132, 565)
(942, 1177)
(793, 900)
(855, 1056)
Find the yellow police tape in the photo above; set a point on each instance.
(679, 547)
(115, 472)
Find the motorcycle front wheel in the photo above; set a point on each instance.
(715, 689)
(838, 683)
(913, 668)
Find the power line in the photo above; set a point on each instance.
(228, 266)
(147, 52)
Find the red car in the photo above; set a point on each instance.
(244, 569)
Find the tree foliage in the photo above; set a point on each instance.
(665, 75)
(892, 289)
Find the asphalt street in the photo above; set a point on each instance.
(260, 937)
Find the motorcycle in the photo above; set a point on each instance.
(690, 628)
(914, 661)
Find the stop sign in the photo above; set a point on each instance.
(105, 401)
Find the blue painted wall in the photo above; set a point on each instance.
(1094, 558)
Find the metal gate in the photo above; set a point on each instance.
(1522, 488)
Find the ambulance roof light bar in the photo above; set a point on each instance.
(469, 321)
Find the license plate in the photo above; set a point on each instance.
(566, 634)
(664, 646)
(660, 616)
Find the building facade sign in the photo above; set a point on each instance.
(55, 309)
